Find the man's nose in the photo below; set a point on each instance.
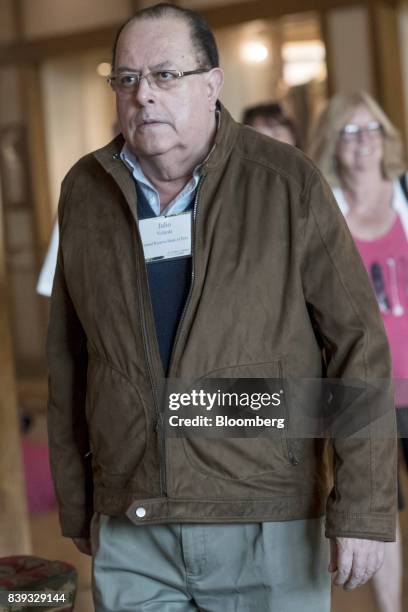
(143, 93)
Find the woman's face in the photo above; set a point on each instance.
(360, 144)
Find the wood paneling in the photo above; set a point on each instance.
(324, 27)
(38, 50)
(217, 17)
(14, 528)
(265, 9)
(387, 61)
(37, 156)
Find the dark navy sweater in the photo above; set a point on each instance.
(169, 284)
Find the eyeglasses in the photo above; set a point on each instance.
(127, 83)
(352, 131)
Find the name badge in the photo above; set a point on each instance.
(166, 237)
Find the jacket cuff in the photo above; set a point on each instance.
(380, 527)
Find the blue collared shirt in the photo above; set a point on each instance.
(180, 203)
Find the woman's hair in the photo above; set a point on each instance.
(325, 135)
(272, 114)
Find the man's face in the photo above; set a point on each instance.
(156, 121)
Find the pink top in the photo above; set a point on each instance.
(386, 261)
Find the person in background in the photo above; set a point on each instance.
(47, 272)
(46, 276)
(360, 153)
(271, 120)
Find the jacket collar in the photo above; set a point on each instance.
(225, 139)
(109, 156)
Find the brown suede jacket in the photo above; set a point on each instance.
(276, 279)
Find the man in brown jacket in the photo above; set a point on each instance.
(192, 247)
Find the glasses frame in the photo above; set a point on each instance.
(178, 75)
(372, 129)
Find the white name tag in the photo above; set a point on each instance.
(166, 237)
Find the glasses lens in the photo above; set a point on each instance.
(350, 130)
(124, 84)
(164, 79)
(374, 127)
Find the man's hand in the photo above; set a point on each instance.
(83, 545)
(353, 562)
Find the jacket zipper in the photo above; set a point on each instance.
(158, 416)
(183, 314)
(159, 420)
(291, 455)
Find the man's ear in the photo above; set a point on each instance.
(215, 80)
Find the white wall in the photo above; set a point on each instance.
(245, 84)
(350, 49)
(50, 17)
(79, 112)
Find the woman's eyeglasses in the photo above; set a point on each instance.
(352, 131)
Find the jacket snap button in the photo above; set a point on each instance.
(140, 512)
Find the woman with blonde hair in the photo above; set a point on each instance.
(360, 153)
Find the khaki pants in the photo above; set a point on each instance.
(254, 567)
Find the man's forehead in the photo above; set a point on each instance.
(156, 41)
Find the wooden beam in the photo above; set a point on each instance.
(37, 158)
(232, 14)
(324, 27)
(14, 526)
(36, 51)
(387, 62)
(375, 51)
(219, 16)
(16, 7)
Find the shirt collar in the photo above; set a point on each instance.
(132, 162)
(179, 204)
